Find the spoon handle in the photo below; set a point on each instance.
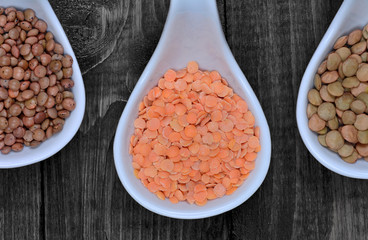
(192, 29)
(193, 15)
(204, 6)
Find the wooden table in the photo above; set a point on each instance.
(76, 194)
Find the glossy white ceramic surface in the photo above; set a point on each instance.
(351, 15)
(48, 148)
(192, 32)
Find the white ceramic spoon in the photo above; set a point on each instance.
(353, 14)
(192, 32)
(48, 148)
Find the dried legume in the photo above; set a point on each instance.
(194, 138)
(338, 103)
(34, 81)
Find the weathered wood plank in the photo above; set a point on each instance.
(21, 209)
(76, 194)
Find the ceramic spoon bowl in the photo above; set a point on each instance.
(351, 15)
(192, 32)
(48, 148)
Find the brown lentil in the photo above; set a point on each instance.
(333, 61)
(333, 124)
(40, 117)
(363, 137)
(17, 147)
(322, 140)
(6, 150)
(338, 103)
(350, 82)
(348, 117)
(35, 83)
(326, 111)
(358, 106)
(316, 123)
(334, 140)
(19, 132)
(69, 104)
(38, 135)
(362, 149)
(329, 77)
(314, 97)
(346, 150)
(311, 109)
(9, 139)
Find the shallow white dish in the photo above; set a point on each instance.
(351, 15)
(48, 148)
(192, 32)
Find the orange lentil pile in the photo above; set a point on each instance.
(194, 138)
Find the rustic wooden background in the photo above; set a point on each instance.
(76, 194)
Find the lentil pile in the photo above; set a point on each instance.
(338, 103)
(35, 84)
(194, 138)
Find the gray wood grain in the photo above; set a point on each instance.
(21, 201)
(76, 194)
